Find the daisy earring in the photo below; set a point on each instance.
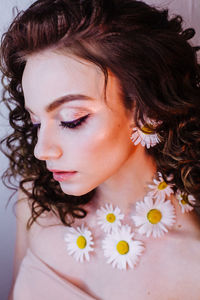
(79, 242)
(146, 134)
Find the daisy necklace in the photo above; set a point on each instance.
(153, 217)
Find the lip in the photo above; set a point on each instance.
(60, 171)
(59, 175)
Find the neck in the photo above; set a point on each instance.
(129, 183)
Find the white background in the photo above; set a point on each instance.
(189, 9)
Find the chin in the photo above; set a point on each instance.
(74, 190)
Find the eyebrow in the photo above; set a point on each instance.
(61, 100)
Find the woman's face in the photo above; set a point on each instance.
(61, 89)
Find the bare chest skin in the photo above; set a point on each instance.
(169, 268)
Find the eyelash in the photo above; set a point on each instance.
(70, 125)
(75, 123)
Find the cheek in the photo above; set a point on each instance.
(100, 147)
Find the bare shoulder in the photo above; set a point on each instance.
(187, 237)
(23, 213)
(185, 265)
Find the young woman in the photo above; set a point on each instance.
(104, 105)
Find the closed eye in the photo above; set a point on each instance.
(71, 125)
(75, 123)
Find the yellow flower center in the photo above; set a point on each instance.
(110, 218)
(184, 199)
(81, 242)
(122, 247)
(162, 185)
(154, 216)
(146, 130)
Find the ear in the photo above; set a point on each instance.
(130, 116)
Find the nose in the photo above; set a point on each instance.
(47, 148)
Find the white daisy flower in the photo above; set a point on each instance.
(145, 135)
(183, 199)
(79, 242)
(154, 218)
(109, 218)
(160, 189)
(121, 250)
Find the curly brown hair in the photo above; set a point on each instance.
(156, 67)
